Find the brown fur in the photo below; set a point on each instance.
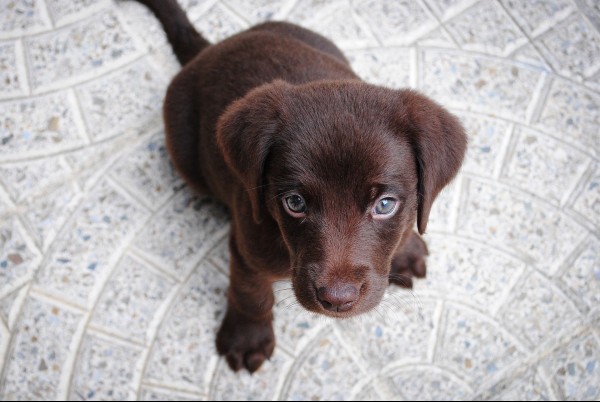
(277, 109)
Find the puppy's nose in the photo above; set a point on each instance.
(338, 298)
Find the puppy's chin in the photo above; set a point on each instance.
(370, 297)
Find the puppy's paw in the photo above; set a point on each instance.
(245, 343)
(409, 262)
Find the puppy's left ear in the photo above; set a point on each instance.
(439, 143)
(245, 134)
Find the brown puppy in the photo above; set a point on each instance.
(324, 175)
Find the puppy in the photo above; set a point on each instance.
(325, 175)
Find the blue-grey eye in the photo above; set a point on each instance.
(295, 204)
(385, 206)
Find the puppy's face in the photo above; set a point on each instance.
(342, 188)
(344, 169)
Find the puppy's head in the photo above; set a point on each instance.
(344, 169)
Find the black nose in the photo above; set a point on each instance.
(338, 298)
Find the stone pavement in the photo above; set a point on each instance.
(112, 274)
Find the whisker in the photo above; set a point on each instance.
(291, 305)
(406, 305)
(282, 300)
(402, 278)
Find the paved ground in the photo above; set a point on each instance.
(112, 275)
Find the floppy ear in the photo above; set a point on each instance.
(245, 134)
(439, 143)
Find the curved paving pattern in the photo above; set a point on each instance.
(112, 274)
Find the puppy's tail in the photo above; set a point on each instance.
(182, 35)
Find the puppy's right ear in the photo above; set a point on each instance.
(246, 133)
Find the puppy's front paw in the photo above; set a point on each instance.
(245, 343)
(409, 262)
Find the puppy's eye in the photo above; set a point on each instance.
(295, 205)
(385, 207)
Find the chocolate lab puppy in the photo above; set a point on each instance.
(325, 175)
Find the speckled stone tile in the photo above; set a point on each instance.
(40, 348)
(591, 7)
(537, 309)
(477, 83)
(303, 12)
(23, 17)
(29, 180)
(389, 67)
(92, 162)
(400, 330)
(445, 9)
(519, 223)
(587, 199)
(443, 212)
(480, 37)
(220, 257)
(19, 259)
(131, 299)
(46, 215)
(12, 79)
(437, 38)
(91, 242)
(7, 208)
(148, 172)
(537, 16)
(593, 82)
(6, 304)
(190, 222)
(157, 394)
(4, 340)
(475, 347)
(486, 137)
(121, 100)
(368, 393)
(470, 272)
(572, 113)
(259, 386)
(142, 22)
(65, 11)
(429, 383)
(324, 362)
(509, 309)
(544, 166)
(396, 23)
(104, 370)
(10, 306)
(39, 126)
(582, 277)
(184, 354)
(581, 57)
(256, 11)
(195, 8)
(528, 54)
(78, 51)
(527, 386)
(219, 23)
(347, 31)
(294, 326)
(575, 368)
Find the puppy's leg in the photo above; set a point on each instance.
(246, 337)
(409, 262)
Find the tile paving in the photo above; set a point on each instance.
(113, 274)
